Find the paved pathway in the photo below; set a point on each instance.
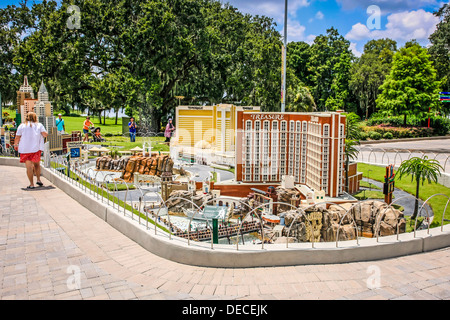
(395, 152)
(45, 235)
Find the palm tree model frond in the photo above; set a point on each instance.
(421, 170)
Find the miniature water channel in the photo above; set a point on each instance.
(152, 201)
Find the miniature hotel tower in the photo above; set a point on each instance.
(44, 108)
(25, 98)
(41, 106)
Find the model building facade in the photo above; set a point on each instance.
(207, 134)
(307, 146)
(41, 106)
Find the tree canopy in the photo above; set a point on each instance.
(412, 86)
(149, 55)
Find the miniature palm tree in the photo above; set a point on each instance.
(351, 142)
(351, 153)
(420, 169)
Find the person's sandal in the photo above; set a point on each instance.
(30, 187)
(40, 184)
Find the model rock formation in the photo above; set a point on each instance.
(371, 218)
(180, 200)
(153, 166)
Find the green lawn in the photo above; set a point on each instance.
(125, 144)
(367, 194)
(74, 123)
(437, 203)
(367, 184)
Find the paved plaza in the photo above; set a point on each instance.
(51, 247)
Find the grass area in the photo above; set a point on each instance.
(367, 184)
(76, 124)
(437, 203)
(366, 194)
(125, 144)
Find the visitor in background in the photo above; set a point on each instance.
(28, 143)
(60, 124)
(86, 125)
(132, 129)
(169, 130)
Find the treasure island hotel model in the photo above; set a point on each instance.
(264, 147)
(307, 146)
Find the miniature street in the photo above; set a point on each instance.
(44, 233)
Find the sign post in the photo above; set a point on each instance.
(444, 96)
(215, 225)
(389, 184)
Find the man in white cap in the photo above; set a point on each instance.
(60, 124)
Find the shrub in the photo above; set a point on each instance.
(363, 136)
(108, 134)
(388, 136)
(374, 135)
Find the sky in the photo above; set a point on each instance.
(357, 20)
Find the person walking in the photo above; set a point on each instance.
(28, 142)
(60, 124)
(132, 129)
(86, 125)
(170, 128)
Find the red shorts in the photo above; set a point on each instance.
(34, 157)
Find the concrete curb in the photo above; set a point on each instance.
(404, 140)
(201, 254)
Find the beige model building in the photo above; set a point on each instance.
(207, 134)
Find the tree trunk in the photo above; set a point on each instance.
(404, 120)
(117, 115)
(100, 116)
(416, 205)
(104, 116)
(154, 123)
(347, 164)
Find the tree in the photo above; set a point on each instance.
(141, 54)
(329, 67)
(412, 86)
(421, 170)
(440, 48)
(369, 72)
(298, 56)
(13, 23)
(351, 142)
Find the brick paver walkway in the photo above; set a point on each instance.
(45, 234)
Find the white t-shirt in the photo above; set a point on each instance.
(31, 140)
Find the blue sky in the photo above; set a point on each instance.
(401, 20)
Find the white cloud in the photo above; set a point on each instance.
(355, 50)
(388, 6)
(403, 26)
(295, 31)
(310, 39)
(319, 15)
(270, 8)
